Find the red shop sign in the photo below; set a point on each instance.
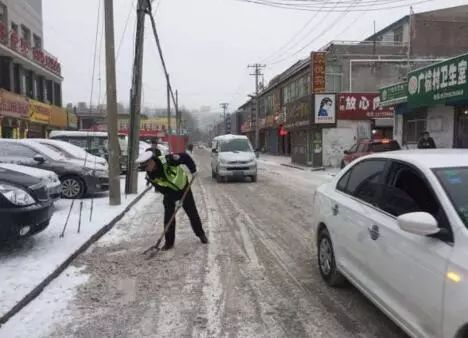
(362, 106)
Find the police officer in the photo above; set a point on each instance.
(168, 177)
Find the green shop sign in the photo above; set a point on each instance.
(438, 82)
(393, 94)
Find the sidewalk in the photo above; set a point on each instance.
(27, 266)
(286, 162)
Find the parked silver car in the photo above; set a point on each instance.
(78, 178)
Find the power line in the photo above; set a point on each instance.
(95, 53)
(315, 38)
(312, 8)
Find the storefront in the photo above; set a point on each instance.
(72, 121)
(58, 118)
(39, 119)
(13, 115)
(435, 99)
(366, 108)
(297, 125)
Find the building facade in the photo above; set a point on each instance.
(30, 77)
(344, 78)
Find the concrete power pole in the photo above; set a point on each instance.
(169, 128)
(114, 148)
(258, 72)
(225, 107)
(131, 181)
(177, 112)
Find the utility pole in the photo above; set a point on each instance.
(178, 117)
(114, 148)
(258, 72)
(225, 107)
(131, 182)
(169, 128)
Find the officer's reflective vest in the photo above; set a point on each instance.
(174, 178)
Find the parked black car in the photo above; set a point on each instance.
(77, 178)
(25, 205)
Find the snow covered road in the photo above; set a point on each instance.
(257, 277)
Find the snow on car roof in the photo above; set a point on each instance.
(230, 137)
(429, 158)
(59, 133)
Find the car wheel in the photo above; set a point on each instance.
(326, 260)
(219, 178)
(254, 178)
(72, 187)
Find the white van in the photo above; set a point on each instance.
(233, 156)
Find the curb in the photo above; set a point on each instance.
(38, 289)
(292, 166)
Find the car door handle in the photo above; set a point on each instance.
(335, 210)
(374, 232)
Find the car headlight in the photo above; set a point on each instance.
(16, 195)
(100, 173)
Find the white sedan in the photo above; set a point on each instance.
(396, 226)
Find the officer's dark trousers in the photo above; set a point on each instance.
(192, 213)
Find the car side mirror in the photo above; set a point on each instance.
(346, 152)
(418, 223)
(39, 158)
(214, 151)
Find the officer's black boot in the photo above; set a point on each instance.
(203, 239)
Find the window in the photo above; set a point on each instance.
(353, 149)
(398, 34)
(363, 148)
(454, 182)
(343, 182)
(365, 180)
(406, 191)
(26, 34)
(378, 147)
(37, 41)
(16, 150)
(3, 17)
(414, 125)
(58, 94)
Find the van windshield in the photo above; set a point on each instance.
(235, 145)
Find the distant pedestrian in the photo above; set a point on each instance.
(167, 176)
(426, 141)
(190, 148)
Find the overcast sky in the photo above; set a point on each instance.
(207, 44)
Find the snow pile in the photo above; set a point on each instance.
(25, 264)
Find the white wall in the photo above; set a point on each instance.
(337, 140)
(440, 123)
(398, 129)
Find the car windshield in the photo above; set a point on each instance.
(379, 147)
(454, 182)
(235, 145)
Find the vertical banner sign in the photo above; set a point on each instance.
(318, 64)
(325, 109)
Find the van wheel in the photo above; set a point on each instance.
(72, 187)
(326, 260)
(254, 178)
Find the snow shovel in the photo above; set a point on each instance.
(155, 248)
